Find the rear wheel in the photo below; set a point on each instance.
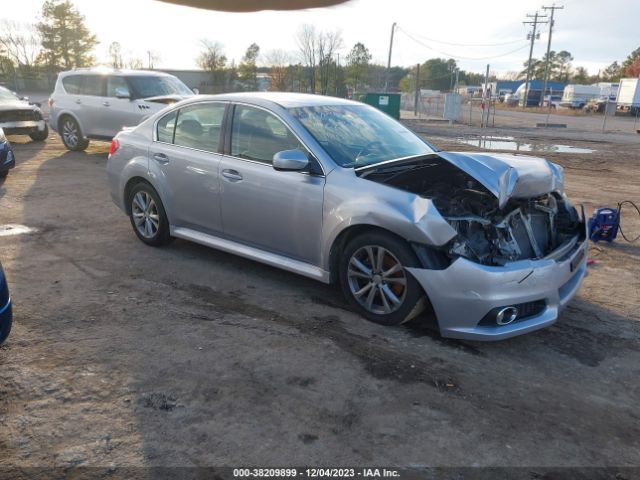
(5, 326)
(147, 215)
(375, 280)
(4, 174)
(72, 136)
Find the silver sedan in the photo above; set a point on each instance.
(338, 191)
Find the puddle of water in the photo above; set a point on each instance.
(15, 229)
(511, 144)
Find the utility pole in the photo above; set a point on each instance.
(535, 23)
(486, 99)
(417, 91)
(386, 78)
(553, 8)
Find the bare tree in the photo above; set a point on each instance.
(213, 60)
(20, 42)
(277, 61)
(328, 43)
(307, 39)
(115, 55)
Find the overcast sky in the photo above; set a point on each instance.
(596, 32)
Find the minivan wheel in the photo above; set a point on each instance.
(147, 215)
(72, 136)
(375, 280)
(5, 328)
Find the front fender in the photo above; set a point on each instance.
(351, 201)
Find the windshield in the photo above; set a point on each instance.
(359, 135)
(150, 86)
(7, 95)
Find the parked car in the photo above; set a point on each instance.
(7, 159)
(97, 103)
(552, 101)
(19, 117)
(6, 315)
(338, 191)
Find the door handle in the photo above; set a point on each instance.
(106, 104)
(161, 158)
(232, 175)
(78, 101)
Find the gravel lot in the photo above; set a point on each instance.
(125, 355)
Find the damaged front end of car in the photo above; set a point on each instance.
(519, 245)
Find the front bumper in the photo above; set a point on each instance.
(7, 158)
(465, 292)
(24, 127)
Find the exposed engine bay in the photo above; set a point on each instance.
(528, 228)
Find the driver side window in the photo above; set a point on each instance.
(258, 135)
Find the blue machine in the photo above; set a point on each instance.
(604, 224)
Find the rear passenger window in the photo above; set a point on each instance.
(72, 83)
(92, 85)
(166, 127)
(199, 126)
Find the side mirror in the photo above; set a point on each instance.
(24, 99)
(196, 91)
(290, 161)
(122, 93)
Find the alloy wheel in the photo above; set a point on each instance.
(377, 280)
(70, 133)
(145, 214)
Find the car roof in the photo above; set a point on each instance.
(112, 71)
(283, 99)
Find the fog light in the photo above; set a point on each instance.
(506, 315)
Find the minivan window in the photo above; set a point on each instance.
(259, 135)
(113, 83)
(199, 126)
(92, 85)
(145, 86)
(72, 84)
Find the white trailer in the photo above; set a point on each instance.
(629, 95)
(577, 96)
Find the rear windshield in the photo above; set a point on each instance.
(150, 86)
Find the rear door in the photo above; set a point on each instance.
(185, 158)
(89, 105)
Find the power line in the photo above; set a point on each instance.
(458, 56)
(511, 42)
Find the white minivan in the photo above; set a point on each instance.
(97, 103)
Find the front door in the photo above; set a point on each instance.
(277, 211)
(118, 112)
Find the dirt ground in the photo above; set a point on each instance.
(124, 355)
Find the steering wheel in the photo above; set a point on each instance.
(364, 151)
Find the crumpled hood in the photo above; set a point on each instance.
(509, 176)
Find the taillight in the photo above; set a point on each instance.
(115, 145)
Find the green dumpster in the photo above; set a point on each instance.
(389, 103)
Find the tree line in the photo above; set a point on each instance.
(61, 41)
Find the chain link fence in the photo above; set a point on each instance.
(476, 112)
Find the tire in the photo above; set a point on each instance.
(390, 299)
(40, 136)
(4, 174)
(72, 135)
(5, 328)
(147, 215)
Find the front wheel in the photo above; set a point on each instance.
(375, 280)
(40, 136)
(147, 215)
